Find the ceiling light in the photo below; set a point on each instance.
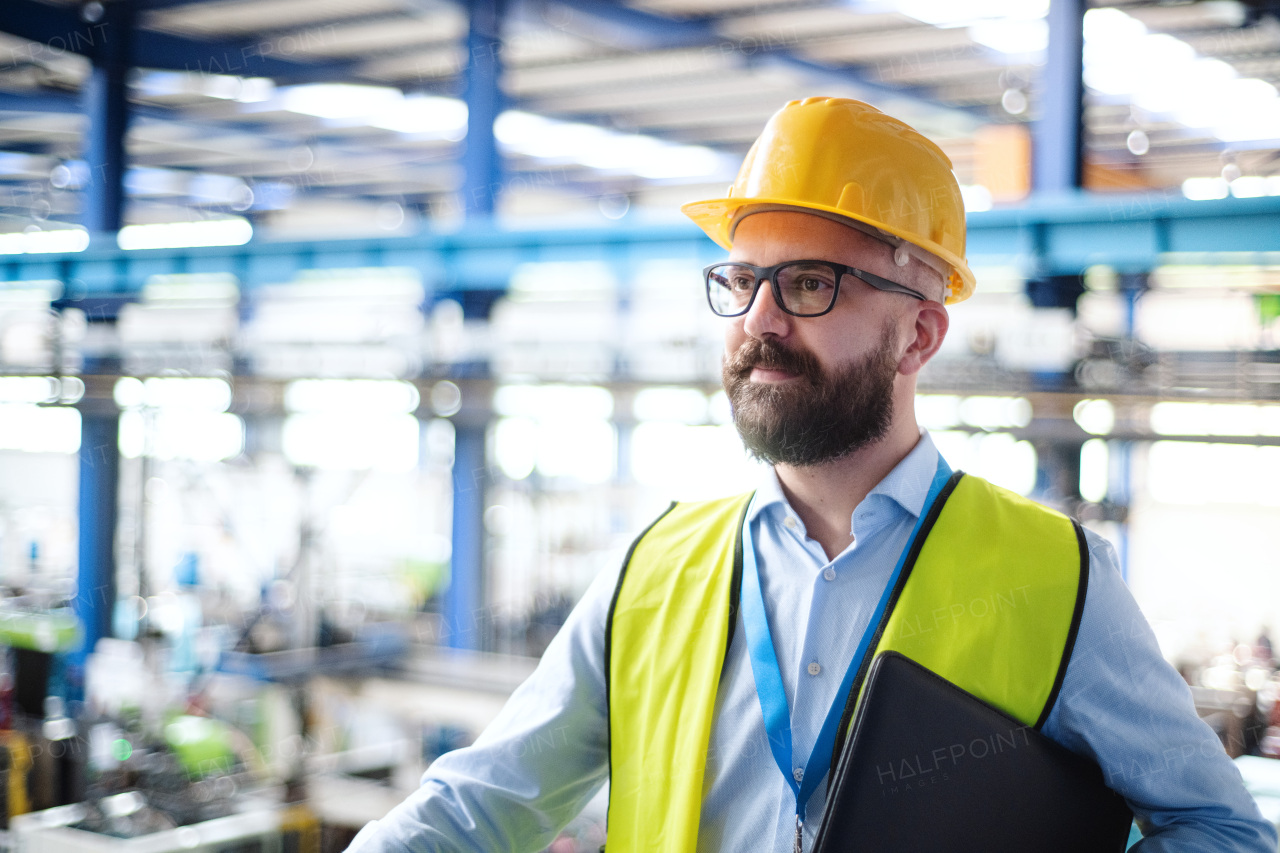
(174, 235)
(340, 100)
(42, 242)
(1137, 142)
(1166, 76)
(425, 115)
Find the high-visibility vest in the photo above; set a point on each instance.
(990, 599)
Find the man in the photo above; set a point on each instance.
(737, 627)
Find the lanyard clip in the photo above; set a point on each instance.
(799, 837)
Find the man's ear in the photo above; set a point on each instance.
(929, 328)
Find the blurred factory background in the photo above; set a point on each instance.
(343, 343)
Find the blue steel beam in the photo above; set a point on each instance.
(106, 106)
(1132, 233)
(1057, 154)
(463, 606)
(480, 160)
(464, 600)
(99, 480)
(55, 30)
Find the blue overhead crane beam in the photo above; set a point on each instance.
(1064, 236)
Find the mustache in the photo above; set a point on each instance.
(767, 353)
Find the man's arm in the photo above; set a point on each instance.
(532, 770)
(1125, 707)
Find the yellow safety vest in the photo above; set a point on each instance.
(990, 599)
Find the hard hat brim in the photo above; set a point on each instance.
(716, 216)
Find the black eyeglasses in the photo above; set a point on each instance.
(800, 288)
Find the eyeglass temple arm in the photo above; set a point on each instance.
(881, 283)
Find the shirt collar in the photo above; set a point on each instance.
(907, 484)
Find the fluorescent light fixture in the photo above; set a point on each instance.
(1238, 419)
(1197, 473)
(1095, 470)
(1205, 189)
(691, 463)
(959, 13)
(937, 411)
(583, 449)
(553, 402)
(976, 197)
(363, 396)
(29, 389)
(995, 412)
(202, 436)
(176, 235)
(515, 447)
(719, 408)
(339, 100)
(1165, 76)
(200, 394)
(352, 441)
(681, 405)
(607, 150)
(998, 457)
(1008, 26)
(1095, 416)
(42, 242)
(1250, 186)
(225, 87)
(425, 115)
(1012, 36)
(39, 429)
(1245, 186)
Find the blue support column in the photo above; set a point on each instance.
(464, 602)
(99, 487)
(1057, 154)
(464, 622)
(481, 160)
(106, 107)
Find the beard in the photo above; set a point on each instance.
(816, 416)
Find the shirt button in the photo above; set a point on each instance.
(798, 774)
(815, 668)
(790, 523)
(829, 573)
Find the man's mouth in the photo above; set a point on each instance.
(766, 373)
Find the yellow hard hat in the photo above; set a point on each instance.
(841, 157)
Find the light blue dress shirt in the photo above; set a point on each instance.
(546, 754)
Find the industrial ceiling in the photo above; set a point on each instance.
(348, 116)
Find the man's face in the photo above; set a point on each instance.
(808, 390)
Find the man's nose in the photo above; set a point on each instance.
(765, 317)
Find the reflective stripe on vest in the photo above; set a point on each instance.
(990, 599)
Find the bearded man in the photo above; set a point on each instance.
(710, 679)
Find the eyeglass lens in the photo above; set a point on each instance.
(804, 288)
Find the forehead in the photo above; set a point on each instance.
(775, 236)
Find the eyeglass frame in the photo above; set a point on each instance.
(770, 273)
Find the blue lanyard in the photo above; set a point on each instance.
(768, 676)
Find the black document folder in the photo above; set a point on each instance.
(929, 767)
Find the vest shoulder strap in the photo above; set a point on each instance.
(994, 598)
(672, 612)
